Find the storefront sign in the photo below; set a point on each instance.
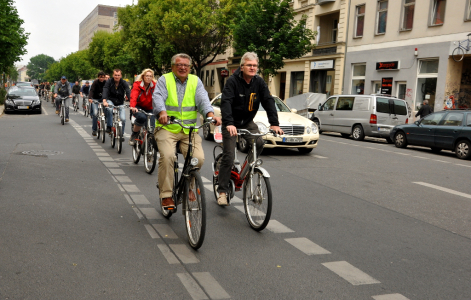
(224, 72)
(386, 86)
(322, 64)
(387, 65)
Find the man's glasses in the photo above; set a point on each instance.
(251, 66)
(182, 66)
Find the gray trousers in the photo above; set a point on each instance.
(227, 160)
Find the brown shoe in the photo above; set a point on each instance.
(192, 196)
(168, 203)
(57, 112)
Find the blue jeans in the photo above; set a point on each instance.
(109, 115)
(141, 119)
(94, 112)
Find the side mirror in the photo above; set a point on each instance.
(417, 123)
(294, 110)
(319, 107)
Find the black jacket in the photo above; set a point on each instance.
(76, 89)
(96, 91)
(240, 101)
(424, 110)
(116, 94)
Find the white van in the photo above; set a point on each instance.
(361, 115)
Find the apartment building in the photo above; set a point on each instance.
(102, 17)
(404, 48)
(22, 73)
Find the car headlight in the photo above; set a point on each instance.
(9, 102)
(308, 129)
(261, 127)
(36, 102)
(314, 128)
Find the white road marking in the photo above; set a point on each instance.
(116, 171)
(318, 156)
(151, 213)
(211, 286)
(184, 253)
(276, 227)
(390, 297)
(443, 189)
(192, 287)
(114, 179)
(102, 154)
(111, 164)
(98, 149)
(151, 231)
(138, 213)
(447, 162)
(128, 199)
(42, 107)
(463, 165)
(306, 246)
(120, 187)
(103, 158)
(165, 231)
(132, 188)
(351, 274)
(208, 186)
(420, 157)
(139, 199)
(240, 208)
(205, 179)
(169, 256)
(123, 178)
(236, 200)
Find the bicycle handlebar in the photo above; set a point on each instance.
(173, 120)
(144, 112)
(246, 132)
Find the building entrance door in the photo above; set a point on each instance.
(282, 85)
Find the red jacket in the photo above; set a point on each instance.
(145, 101)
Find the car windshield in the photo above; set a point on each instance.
(280, 106)
(23, 84)
(21, 92)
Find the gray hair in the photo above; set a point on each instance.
(248, 56)
(181, 55)
(425, 101)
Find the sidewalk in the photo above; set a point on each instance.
(1, 110)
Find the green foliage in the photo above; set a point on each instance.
(74, 66)
(13, 38)
(38, 66)
(96, 49)
(268, 28)
(3, 94)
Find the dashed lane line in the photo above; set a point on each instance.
(306, 246)
(350, 273)
(165, 231)
(184, 253)
(151, 231)
(169, 256)
(390, 297)
(210, 285)
(192, 287)
(443, 189)
(276, 227)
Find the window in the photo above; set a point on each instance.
(382, 16)
(468, 123)
(401, 90)
(408, 14)
(329, 104)
(217, 102)
(382, 105)
(345, 103)
(358, 79)
(428, 66)
(212, 77)
(432, 119)
(334, 31)
(359, 20)
(297, 82)
(427, 82)
(115, 15)
(453, 119)
(115, 23)
(438, 12)
(468, 12)
(376, 87)
(207, 78)
(400, 108)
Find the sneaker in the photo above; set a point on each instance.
(132, 139)
(57, 112)
(94, 133)
(168, 203)
(108, 129)
(222, 199)
(67, 120)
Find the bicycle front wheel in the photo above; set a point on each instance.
(119, 137)
(257, 200)
(458, 54)
(216, 166)
(62, 112)
(113, 138)
(150, 155)
(195, 212)
(103, 130)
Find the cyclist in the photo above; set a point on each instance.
(41, 89)
(75, 93)
(241, 98)
(84, 91)
(53, 86)
(96, 93)
(47, 88)
(141, 98)
(64, 90)
(114, 91)
(181, 95)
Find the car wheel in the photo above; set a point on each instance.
(207, 132)
(389, 140)
(400, 140)
(358, 133)
(242, 145)
(462, 149)
(316, 121)
(436, 150)
(305, 150)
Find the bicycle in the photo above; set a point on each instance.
(62, 108)
(101, 123)
(145, 144)
(117, 128)
(46, 95)
(75, 102)
(257, 198)
(85, 106)
(190, 180)
(458, 52)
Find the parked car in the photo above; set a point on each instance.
(300, 132)
(450, 130)
(361, 115)
(22, 98)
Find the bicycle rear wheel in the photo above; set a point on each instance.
(62, 113)
(119, 137)
(136, 152)
(113, 138)
(195, 212)
(216, 165)
(257, 200)
(458, 54)
(150, 155)
(103, 129)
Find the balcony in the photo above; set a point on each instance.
(322, 2)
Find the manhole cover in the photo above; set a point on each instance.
(41, 152)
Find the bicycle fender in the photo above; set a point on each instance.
(263, 171)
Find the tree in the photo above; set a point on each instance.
(13, 38)
(74, 66)
(268, 28)
(117, 56)
(38, 66)
(97, 47)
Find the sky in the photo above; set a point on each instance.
(54, 25)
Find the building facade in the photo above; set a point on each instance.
(404, 48)
(22, 74)
(102, 17)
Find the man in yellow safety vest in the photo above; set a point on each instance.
(181, 95)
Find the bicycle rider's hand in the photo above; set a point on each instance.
(232, 130)
(55, 95)
(134, 109)
(70, 96)
(163, 117)
(90, 100)
(218, 121)
(277, 129)
(105, 104)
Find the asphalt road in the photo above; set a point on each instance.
(351, 220)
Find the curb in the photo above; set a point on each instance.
(1, 109)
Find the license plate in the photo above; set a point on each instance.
(292, 140)
(23, 107)
(383, 129)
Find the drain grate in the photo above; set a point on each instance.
(41, 152)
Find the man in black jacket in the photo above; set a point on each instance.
(96, 93)
(424, 110)
(75, 93)
(241, 98)
(114, 91)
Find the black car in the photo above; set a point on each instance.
(22, 98)
(449, 130)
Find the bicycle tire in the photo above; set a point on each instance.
(216, 166)
(195, 211)
(119, 136)
(258, 207)
(98, 131)
(458, 54)
(136, 152)
(103, 131)
(113, 138)
(150, 155)
(62, 114)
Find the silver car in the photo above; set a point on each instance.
(361, 115)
